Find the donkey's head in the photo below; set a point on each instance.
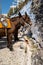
(21, 19)
(27, 19)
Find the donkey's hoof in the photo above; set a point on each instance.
(16, 40)
(11, 48)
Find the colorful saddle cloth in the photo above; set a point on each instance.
(8, 24)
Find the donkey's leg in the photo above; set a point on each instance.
(16, 36)
(9, 39)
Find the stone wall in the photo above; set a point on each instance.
(37, 9)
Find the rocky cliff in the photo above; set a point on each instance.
(37, 9)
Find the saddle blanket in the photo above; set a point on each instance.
(8, 24)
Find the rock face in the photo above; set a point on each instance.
(32, 8)
(25, 53)
(37, 9)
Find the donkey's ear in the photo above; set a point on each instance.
(20, 14)
(25, 13)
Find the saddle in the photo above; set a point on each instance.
(5, 24)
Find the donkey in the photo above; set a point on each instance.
(16, 23)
